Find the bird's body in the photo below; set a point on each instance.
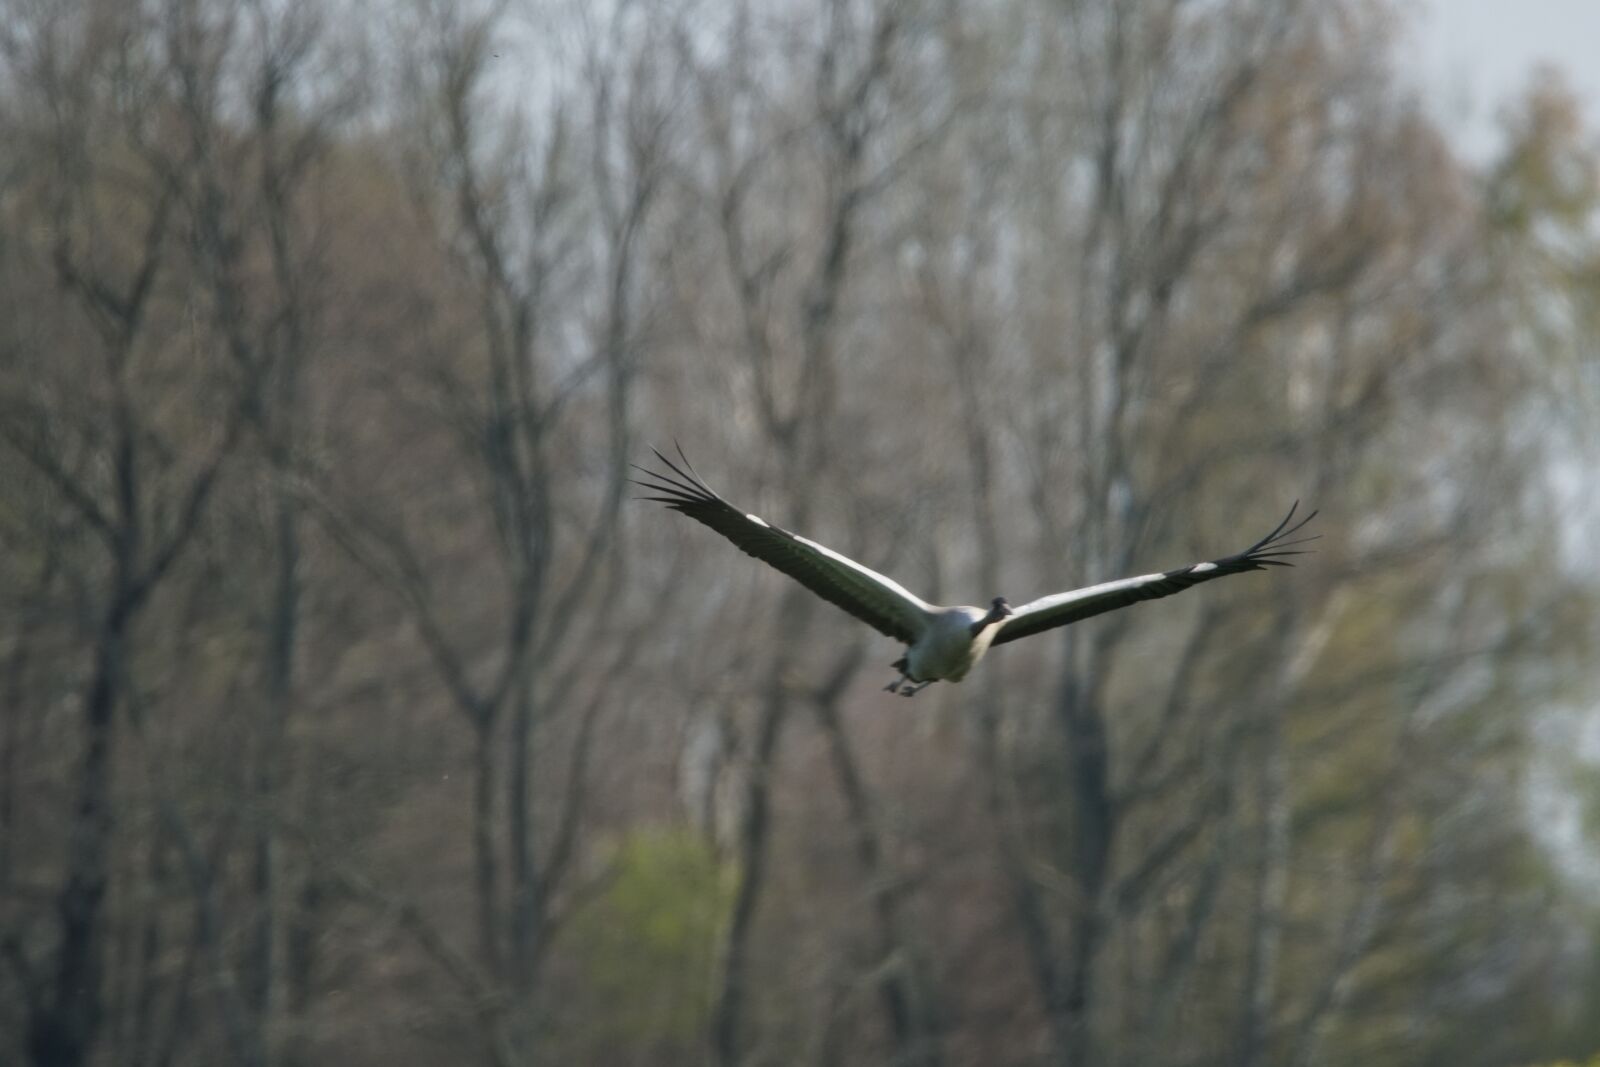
(942, 643)
(953, 643)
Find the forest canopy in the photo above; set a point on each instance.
(351, 711)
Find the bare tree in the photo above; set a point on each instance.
(789, 286)
(521, 208)
(245, 186)
(143, 495)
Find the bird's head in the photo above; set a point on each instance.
(999, 609)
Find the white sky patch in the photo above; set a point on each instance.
(1469, 58)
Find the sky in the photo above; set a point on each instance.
(1472, 56)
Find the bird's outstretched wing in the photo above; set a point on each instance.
(1049, 612)
(880, 602)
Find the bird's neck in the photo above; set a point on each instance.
(988, 620)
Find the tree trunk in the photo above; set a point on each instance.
(525, 877)
(483, 846)
(754, 845)
(1092, 822)
(263, 982)
(63, 1028)
(908, 1003)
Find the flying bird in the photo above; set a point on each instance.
(942, 643)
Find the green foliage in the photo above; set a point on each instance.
(1548, 171)
(1543, 200)
(1583, 777)
(648, 943)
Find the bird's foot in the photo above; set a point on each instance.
(892, 686)
(909, 690)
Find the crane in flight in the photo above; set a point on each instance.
(942, 643)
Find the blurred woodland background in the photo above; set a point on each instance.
(350, 713)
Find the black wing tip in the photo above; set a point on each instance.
(1280, 533)
(1270, 550)
(1278, 538)
(685, 472)
(682, 486)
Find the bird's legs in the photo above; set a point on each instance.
(902, 666)
(905, 686)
